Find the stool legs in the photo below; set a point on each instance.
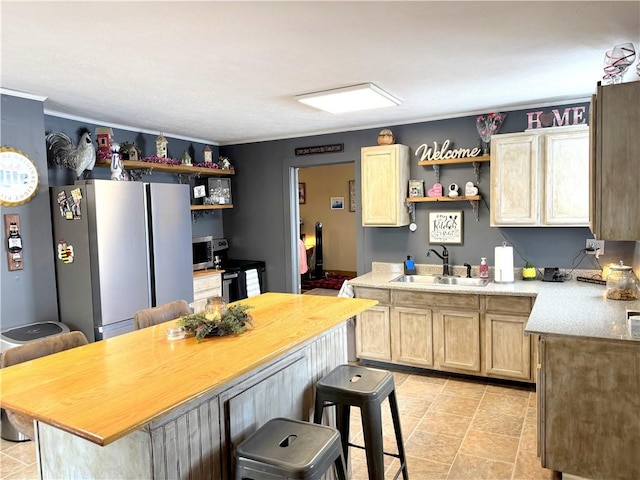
(395, 415)
(343, 422)
(372, 430)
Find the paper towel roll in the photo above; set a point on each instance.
(503, 264)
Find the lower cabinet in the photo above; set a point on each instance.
(458, 336)
(205, 286)
(462, 333)
(373, 332)
(412, 336)
(508, 348)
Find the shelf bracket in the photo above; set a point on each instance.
(412, 211)
(476, 171)
(436, 168)
(475, 204)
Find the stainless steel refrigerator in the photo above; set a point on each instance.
(119, 247)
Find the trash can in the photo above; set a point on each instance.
(14, 337)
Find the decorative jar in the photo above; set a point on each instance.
(215, 308)
(621, 283)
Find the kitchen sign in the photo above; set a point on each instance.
(336, 147)
(443, 153)
(569, 116)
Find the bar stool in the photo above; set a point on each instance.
(367, 388)
(290, 449)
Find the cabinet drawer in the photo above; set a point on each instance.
(420, 299)
(379, 294)
(508, 304)
(208, 282)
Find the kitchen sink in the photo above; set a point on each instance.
(442, 280)
(466, 282)
(428, 279)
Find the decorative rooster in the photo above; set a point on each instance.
(80, 159)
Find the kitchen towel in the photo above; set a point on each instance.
(253, 284)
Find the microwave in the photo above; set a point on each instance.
(202, 252)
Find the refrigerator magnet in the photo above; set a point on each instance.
(65, 252)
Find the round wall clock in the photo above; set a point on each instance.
(18, 177)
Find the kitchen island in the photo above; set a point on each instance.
(142, 406)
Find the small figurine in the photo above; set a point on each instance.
(470, 189)
(453, 190)
(128, 151)
(385, 137)
(435, 191)
(104, 136)
(117, 172)
(224, 163)
(186, 159)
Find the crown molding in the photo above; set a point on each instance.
(16, 93)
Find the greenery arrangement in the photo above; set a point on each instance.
(234, 320)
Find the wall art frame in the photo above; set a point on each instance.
(302, 193)
(445, 227)
(337, 203)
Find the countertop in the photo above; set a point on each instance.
(566, 308)
(104, 390)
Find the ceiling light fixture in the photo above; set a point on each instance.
(364, 96)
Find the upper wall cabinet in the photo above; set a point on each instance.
(615, 162)
(540, 178)
(385, 179)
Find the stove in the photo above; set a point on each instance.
(234, 278)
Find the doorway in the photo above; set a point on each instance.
(327, 224)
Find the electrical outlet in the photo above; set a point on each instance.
(594, 246)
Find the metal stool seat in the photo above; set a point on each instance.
(366, 388)
(290, 449)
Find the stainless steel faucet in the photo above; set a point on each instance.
(444, 257)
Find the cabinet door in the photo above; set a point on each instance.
(566, 177)
(385, 179)
(205, 286)
(508, 349)
(457, 333)
(616, 176)
(373, 335)
(515, 179)
(412, 336)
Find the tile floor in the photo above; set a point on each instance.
(453, 428)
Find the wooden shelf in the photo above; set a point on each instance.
(449, 161)
(443, 199)
(195, 208)
(176, 169)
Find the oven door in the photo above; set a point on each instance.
(230, 291)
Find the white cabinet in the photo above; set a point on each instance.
(373, 334)
(205, 285)
(385, 179)
(540, 178)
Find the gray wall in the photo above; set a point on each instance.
(260, 225)
(28, 295)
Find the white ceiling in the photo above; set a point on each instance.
(227, 72)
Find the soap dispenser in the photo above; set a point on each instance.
(483, 270)
(409, 266)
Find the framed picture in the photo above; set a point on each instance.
(416, 188)
(302, 194)
(337, 203)
(446, 226)
(352, 195)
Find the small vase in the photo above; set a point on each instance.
(486, 147)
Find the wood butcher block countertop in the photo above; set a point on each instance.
(105, 390)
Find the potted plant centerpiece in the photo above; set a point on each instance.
(217, 319)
